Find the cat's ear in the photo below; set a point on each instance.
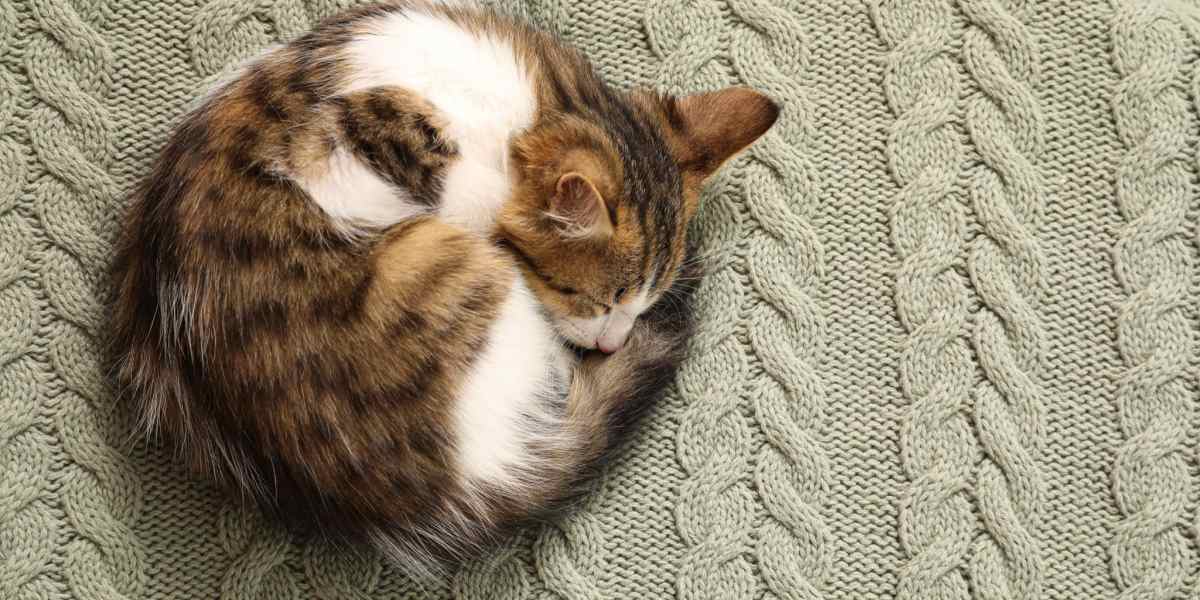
(710, 128)
(579, 209)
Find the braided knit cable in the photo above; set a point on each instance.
(714, 513)
(1149, 556)
(69, 64)
(924, 152)
(1007, 267)
(550, 15)
(227, 31)
(685, 36)
(1189, 14)
(259, 552)
(12, 160)
(29, 528)
(320, 9)
(787, 331)
(499, 575)
(336, 574)
(715, 510)
(569, 553)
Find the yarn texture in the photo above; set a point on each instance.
(947, 344)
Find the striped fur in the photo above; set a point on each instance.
(350, 292)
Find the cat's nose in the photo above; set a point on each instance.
(616, 331)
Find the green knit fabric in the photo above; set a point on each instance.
(947, 347)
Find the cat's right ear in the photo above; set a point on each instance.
(579, 209)
(708, 129)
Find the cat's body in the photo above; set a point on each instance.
(345, 288)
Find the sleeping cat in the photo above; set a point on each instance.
(404, 278)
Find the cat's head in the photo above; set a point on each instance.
(600, 215)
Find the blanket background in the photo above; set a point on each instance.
(948, 343)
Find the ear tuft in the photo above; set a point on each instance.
(579, 208)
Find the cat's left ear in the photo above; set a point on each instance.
(708, 129)
(579, 208)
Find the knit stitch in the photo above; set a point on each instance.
(786, 330)
(1153, 261)
(946, 345)
(716, 507)
(924, 153)
(69, 66)
(1005, 123)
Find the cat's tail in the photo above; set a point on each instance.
(610, 393)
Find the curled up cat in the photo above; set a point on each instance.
(404, 279)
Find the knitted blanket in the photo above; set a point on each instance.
(948, 334)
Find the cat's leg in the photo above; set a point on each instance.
(399, 135)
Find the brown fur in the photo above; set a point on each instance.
(317, 372)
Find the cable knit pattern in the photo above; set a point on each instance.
(1153, 262)
(337, 575)
(498, 576)
(226, 31)
(786, 331)
(1004, 120)
(686, 36)
(946, 343)
(259, 552)
(716, 509)
(923, 153)
(12, 160)
(69, 66)
(568, 555)
(29, 529)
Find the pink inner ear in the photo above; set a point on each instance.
(578, 203)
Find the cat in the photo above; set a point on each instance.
(407, 277)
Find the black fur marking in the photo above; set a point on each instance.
(561, 94)
(415, 387)
(214, 194)
(381, 106)
(532, 266)
(299, 81)
(409, 323)
(341, 306)
(269, 315)
(262, 95)
(402, 156)
(297, 271)
(674, 117)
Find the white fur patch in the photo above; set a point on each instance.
(355, 196)
(607, 330)
(507, 397)
(479, 86)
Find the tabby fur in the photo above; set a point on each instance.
(309, 348)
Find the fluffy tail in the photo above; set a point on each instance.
(610, 393)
